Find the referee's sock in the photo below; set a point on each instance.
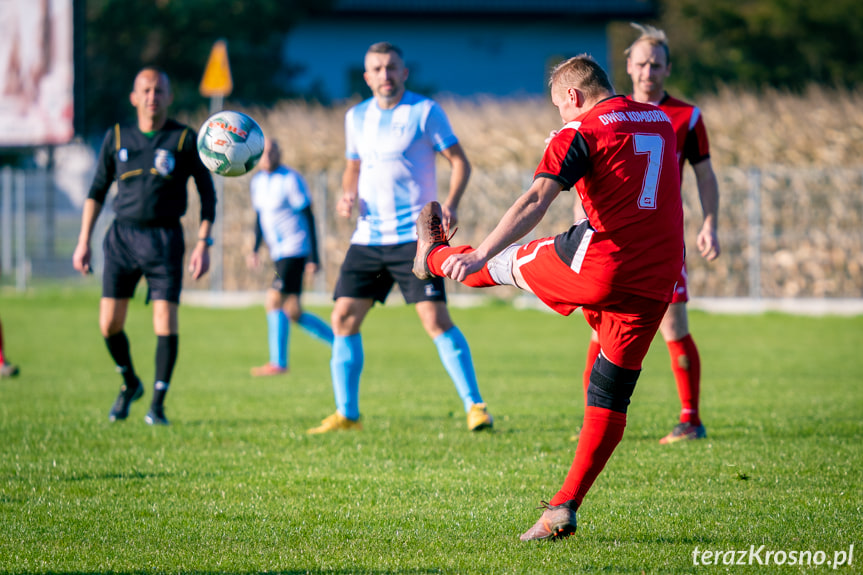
(118, 347)
(167, 347)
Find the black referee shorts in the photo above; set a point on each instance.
(132, 251)
(369, 272)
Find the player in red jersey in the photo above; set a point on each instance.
(648, 64)
(7, 369)
(619, 265)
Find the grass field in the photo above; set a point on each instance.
(235, 485)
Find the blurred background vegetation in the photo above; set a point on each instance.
(751, 44)
(777, 81)
(757, 44)
(123, 35)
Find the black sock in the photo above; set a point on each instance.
(166, 357)
(160, 389)
(118, 347)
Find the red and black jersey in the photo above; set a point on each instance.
(151, 173)
(621, 157)
(692, 143)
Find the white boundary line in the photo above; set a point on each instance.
(737, 306)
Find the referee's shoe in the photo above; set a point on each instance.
(156, 416)
(120, 409)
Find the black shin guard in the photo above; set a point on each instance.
(611, 386)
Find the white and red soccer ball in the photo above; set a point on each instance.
(230, 143)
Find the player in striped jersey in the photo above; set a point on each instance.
(392, 141)
(285, 221)
(649, 64)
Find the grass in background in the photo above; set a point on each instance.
(235, 485)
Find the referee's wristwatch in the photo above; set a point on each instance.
(208, 241)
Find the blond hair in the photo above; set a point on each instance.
(385, 48)
(653, 36)
(584, 73)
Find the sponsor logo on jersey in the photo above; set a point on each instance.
(123, 155)
(164, 162)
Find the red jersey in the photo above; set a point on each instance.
(692, 143)
(620, 155)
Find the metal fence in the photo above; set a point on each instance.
(784, 231)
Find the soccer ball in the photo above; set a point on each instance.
(230, 143)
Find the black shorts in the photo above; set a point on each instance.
(133, 251)
(369, 272)
(288, 279)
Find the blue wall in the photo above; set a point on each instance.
(502, 58)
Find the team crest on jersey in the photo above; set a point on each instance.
(123, 155)
(164, 162)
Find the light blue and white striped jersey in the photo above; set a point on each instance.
(279, 197)
(397, 150)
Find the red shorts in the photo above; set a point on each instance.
(627, 328)
(626, 323)
(681, 289)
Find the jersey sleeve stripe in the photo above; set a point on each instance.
(182, 139)
(693, 119)
(562, 181)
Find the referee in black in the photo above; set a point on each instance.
(151, 161)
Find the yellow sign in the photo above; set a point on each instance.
(217, 76)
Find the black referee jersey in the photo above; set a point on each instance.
(151, 174)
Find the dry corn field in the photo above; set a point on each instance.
(789, 168)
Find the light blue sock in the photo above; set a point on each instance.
(277, 330)
(455, 355)
(316, 327)
(346, 366)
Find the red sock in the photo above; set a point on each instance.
(600, 434)
(439, 255)
(686, 365)
(592, 354)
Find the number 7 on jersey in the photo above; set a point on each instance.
(652, 145)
